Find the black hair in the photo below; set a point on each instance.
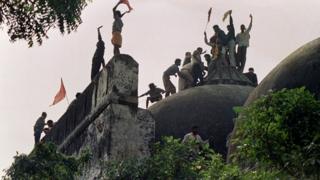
(177, 61)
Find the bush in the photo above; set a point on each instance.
(44, 162)
(174, 160)
(281, 130)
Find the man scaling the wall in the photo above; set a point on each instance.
(98, 59)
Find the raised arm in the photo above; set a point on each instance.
(230, 18)
(250, 25)
(206, 40)
(99, 34)
(124, 13)
(116, 6)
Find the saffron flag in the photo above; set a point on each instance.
(209, 14)
(126, 2)
(60, 95)
(226, 15)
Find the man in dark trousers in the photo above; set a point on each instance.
(231, 41)
(98, 59)
(173, 70)
(252, 76)
(154, 94)
(38, 127)
(242, 39)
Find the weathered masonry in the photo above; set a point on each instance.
(106, 119)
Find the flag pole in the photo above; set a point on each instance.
(66, 95)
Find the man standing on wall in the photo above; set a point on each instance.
(117, 29)
(38, 127)
(98, 59)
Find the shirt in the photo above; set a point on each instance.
(155, 92)
(172, 70)
(117, 24)
(243, 38)
(40, 123)
(252, 77)
(231, 33)
(191, 137)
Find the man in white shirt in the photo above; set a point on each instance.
(193, 136)
(242, 39)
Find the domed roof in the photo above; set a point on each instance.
(210, 107)
(301, 68)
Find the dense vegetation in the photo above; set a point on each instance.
(281, 131)
(45, 163)
(31, 19)
(277, 138)
(174, 160)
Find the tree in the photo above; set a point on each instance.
(281, 130)
(44, 162)
(32, 19)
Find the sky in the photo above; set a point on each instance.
(155, 33)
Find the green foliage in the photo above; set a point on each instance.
(281, 130)
(44, 162)
(174, 160)
(31, 19)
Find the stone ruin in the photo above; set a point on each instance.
(106, 119)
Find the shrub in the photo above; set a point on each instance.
(281, 130)
(45, 163)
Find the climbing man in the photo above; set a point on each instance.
(231, 41)
(98, 59)
(117, 29)
(38, 127)
(154, 94)
(187, 58)
(198, 67)
(221, 40)
(171, 71)
(252, 76)
(242, 39)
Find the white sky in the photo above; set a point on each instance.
(155, 33)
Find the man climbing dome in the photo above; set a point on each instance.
(187, 58)
(171, 71)
(186, 80)
(117, 28)
(231, 41)
(213, 44)
(98, 60)
(242, 39)
(38, 127)
(155, 94)
(252, 76)
(198, 67)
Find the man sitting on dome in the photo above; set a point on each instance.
(252, 76)
(187, 58)
(155, 94)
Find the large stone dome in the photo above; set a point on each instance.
(210, 107)
(301, 68)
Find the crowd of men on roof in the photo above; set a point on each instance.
(192, 73)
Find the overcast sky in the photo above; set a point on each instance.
(154, 34)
